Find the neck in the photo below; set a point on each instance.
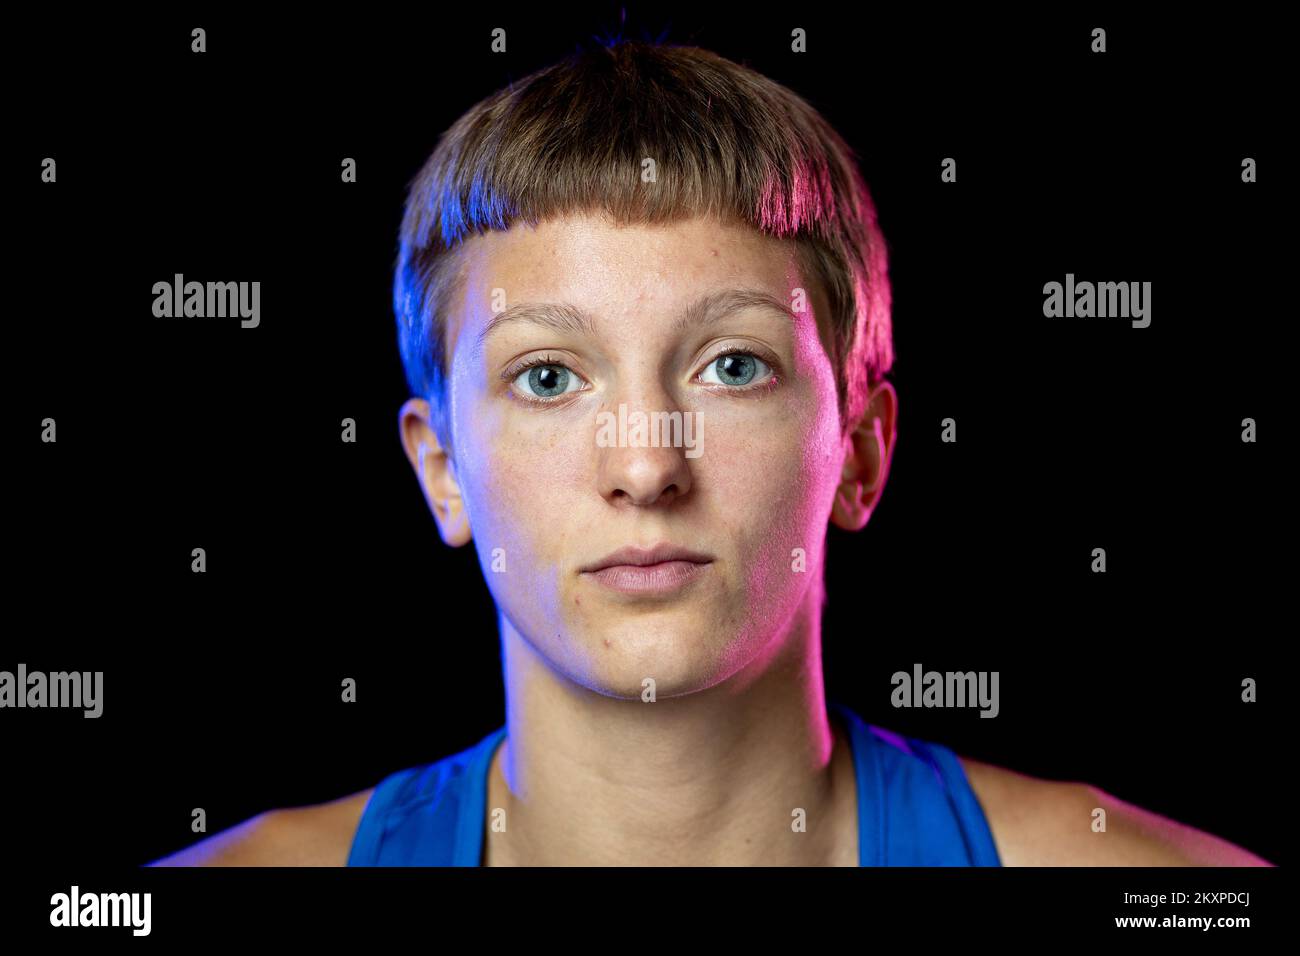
(715, 777)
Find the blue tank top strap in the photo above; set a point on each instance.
(915, 805)
(430, 815)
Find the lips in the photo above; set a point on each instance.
(653, 572)
(645, 557)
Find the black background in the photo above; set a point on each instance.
(222, 689)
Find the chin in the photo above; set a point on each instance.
(680, 661)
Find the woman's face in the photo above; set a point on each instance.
(552, 486)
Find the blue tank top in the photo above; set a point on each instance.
(915, 806)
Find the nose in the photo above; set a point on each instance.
(639, 446)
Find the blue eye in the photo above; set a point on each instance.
(546, 381)
(736, 368)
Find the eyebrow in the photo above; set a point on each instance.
(709, 308)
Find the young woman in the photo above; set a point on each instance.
(656, 231)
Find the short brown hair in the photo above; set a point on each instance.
(726, 141)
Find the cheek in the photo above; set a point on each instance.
(775, 478)
(817, 437)
(527, 474)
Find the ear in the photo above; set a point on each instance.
(867, 453)
(435, 470)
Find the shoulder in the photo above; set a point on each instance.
(1038, 822)
(317, 835)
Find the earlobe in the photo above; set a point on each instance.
(848, 512)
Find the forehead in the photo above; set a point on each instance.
(593, 241)
(613, 269)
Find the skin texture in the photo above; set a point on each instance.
(738, 734)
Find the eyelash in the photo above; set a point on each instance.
(518, 368)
